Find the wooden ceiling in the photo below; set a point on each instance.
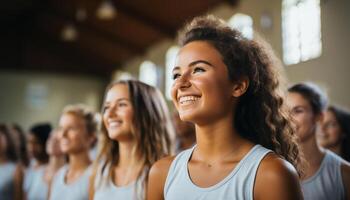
(31, 35)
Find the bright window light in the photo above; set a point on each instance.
(301, 30)
(243, 23)
(148, 73)
(169, 64)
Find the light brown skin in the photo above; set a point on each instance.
(307, 122)
(200, 72)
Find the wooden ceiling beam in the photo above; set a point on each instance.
(132, 13)
(86, 27)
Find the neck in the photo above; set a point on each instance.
(336, 149)
(313, 156)
(312, 152)
(126, 156)
(79, 161)
(187, 141)
(217, 139)
(55, 162)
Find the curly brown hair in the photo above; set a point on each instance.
(261, 115)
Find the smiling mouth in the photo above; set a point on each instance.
(114, 124)
(186, 100)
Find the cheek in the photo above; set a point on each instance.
(173, 94)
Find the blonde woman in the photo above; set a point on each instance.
(76, 132)
(136, 133)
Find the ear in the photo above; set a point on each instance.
(240, 87)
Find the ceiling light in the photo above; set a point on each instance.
(69, 33)
(106, 10)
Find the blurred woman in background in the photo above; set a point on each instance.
(10, 175)
(76, 132)
(136, 132)
(35, 187)
(335, 134)
(56, 157)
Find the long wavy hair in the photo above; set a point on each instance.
(21, 146)
(261, 115)
(152, 129)
(343, 118)
(10, 151)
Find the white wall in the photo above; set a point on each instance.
(28, 98)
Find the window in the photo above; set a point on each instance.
(243, 23)
(301, 30)
(148, 73)
(169, 64)
(122, 75)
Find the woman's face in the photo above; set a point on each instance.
(73, 135)
(35, 148)
(303, 115)
(331, 134)
(53, 147)
(202, 91)
(118, 113)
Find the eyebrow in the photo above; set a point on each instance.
(194, 63)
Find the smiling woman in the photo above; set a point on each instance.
(136, 132)
(76, 133)
(228, 87)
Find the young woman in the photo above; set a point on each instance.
(227, 86)
(35, 186)
(20, 143)
(76, 132)
(335, 134)
(136, 132)
(10, 175)
(57, 158)
(327, 176)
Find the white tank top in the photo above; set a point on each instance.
(327, 182)
(7, 172)
(34, 185)
(105, 188)
(78, 190)
(238, 185)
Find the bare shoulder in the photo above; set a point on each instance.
(280, 175)
(161, 167)
(345, 171)
(157, 178)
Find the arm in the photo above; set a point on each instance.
(282, 179)
(345, 171)
(157, 177)
(18, 183)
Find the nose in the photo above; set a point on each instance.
(184, 81)
(110, 112)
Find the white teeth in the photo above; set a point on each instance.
(187, 99)
(114, 124)
(64, 142)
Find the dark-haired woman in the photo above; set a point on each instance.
(10, 174)
(35, 186)
(228, 87)
(327, 176)
(335, 134)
